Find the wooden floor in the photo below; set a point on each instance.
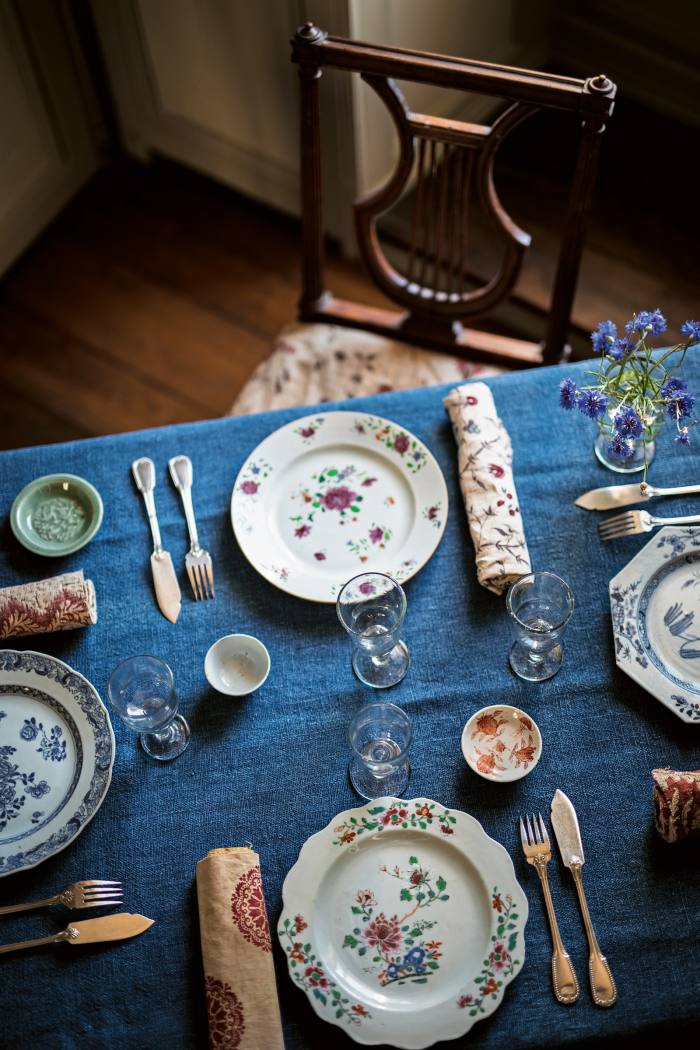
(153, 296)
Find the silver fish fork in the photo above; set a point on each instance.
(197, 561)
(91, 893)
(633, 522)
(536, 847)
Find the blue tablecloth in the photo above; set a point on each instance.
(271, 769)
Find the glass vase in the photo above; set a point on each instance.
(643, 447)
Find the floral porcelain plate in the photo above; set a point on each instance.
(501, 743)
(329, 496)
(403, 922)
(56, 756)
(655, 606)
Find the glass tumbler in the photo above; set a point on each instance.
(371, 608)
(540, 606)
(142, 691)
(380, 736)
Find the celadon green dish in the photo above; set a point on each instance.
(56, 515)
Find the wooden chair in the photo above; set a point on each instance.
(449, 161)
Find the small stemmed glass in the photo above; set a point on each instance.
(380, 736)
(142, 690)
(371, 608)
(540, 605)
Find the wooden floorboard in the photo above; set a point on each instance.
(153, 296)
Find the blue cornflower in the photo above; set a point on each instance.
(627, 423)
(618, 348)
(415, 956)
(604, 335)
(686, 404)
(691, 329)
(618, 448)
(592, 403)
(392, 970)
(651, 320)
(567, 394)
(673, 387)
(682, 437)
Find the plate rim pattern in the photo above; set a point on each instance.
(51, 669)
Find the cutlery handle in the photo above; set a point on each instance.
(691, 519)
(144, 472)
(679, 490)
(12, 909)
(64, 935)
(603, 987)
(181, 473)
(563, 974)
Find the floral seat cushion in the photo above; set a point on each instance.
(313, 363)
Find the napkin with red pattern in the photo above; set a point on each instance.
(239, 973)
(676, 804)
(57, 604)
(485, 458)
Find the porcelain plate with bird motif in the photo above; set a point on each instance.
(330, 496)
(403, 922)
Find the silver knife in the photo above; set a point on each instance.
(566, 829)
(624, 495)
(90, 931)
(164, 579)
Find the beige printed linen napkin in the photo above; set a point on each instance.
(485, 458)
(59, 603)
(239, 973)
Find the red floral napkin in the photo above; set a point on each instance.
(676, 804)
(239, 973)
(485, 459)
(57, 604)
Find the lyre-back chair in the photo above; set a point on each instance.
(448, 161)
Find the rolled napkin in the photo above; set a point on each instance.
(676, 804)
(485, 458)
(57, 604)
(239, 973)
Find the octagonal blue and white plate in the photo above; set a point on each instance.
(56, 757)
(655, 606)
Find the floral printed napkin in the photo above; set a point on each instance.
(485, 459)
(676, 803)
(239, 973)
(57, 604)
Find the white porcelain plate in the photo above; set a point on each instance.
(403, 922)
(329, 496)
(56, 756)
(655, 606)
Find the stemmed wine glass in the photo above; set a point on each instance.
(371, 608)
(380, 736)
(540, 605)
(142, 690)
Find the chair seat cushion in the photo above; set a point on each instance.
(312, 363)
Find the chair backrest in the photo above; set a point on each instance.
(447, 159)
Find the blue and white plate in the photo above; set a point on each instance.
(56, 757)
(655, 605)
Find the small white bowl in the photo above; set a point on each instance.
(501, 743)
(237, 664)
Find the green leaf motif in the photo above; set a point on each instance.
(350, 941)
(413, 860)
(441, 884)
(405, 895)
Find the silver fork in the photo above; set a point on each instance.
(197, 561)
(536, 847)
(632, 522)
(93, 893)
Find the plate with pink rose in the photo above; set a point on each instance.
(332, 495)
(403, 922)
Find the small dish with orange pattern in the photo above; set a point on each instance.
(501, 743)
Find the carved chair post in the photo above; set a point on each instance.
(313, 295)
(451, 162)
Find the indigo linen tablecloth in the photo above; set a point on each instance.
(271, 769)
